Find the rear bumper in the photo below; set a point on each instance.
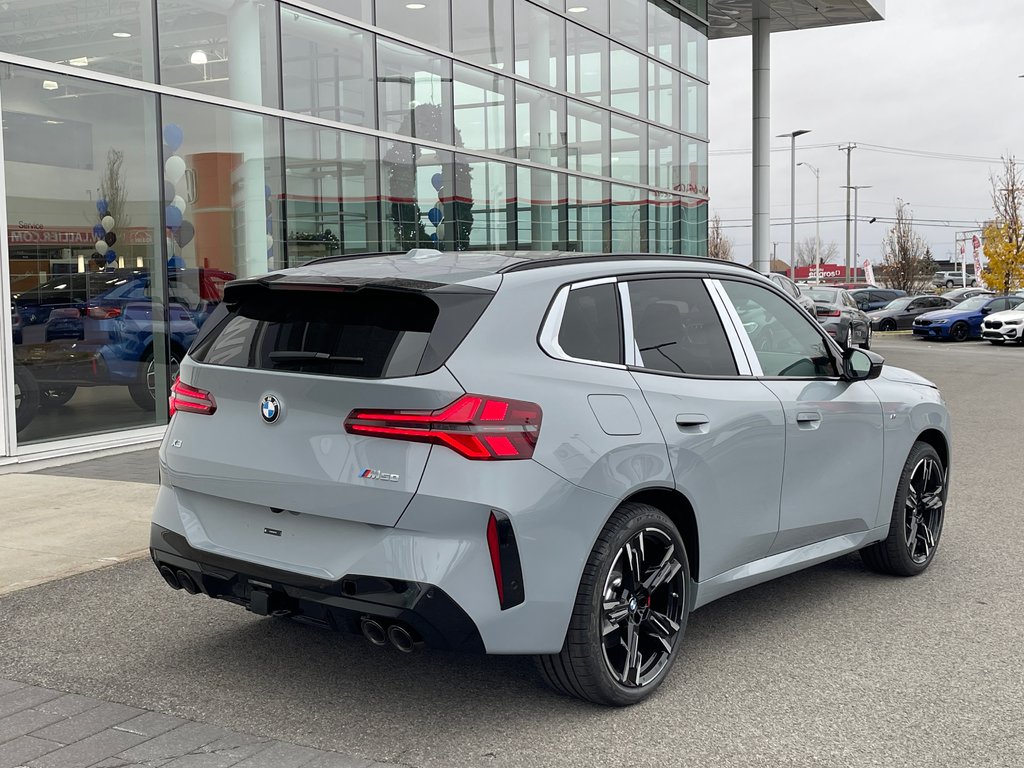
(340, 604)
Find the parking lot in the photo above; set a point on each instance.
(832, 666)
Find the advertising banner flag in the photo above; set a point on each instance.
(977, 257)
(869, 272)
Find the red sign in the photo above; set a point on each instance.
(831, 272)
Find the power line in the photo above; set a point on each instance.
(882, 149)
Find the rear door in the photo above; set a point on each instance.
(833, 452)
(285, 369)
(724, 430)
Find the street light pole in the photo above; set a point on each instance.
(792, 190)
(817, 219)
(856, 201)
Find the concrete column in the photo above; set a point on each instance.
(762, 139)
(542, 146)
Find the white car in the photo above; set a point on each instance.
(1000, 327)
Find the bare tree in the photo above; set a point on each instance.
(906, 258)
(114, 187)
(1004, 249)
(806, 256)
(719, 244)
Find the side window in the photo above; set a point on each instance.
(938, 302)
(1015, 301)
(919, 304)
(848, 300)
(785, 340)
(590, 327)
(677, 328)
(998, 305)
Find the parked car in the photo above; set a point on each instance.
(793, 290)
(850, 286)
(1001, 327)
(112, 338)
(962, 321)
(839, 315)
(656, 433)
(959, 294)
(65, 291)
(900, 313)
(16, 325)
(954, 279)
(870, 299)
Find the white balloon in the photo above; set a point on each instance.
(440, 231)
(107, 222)
(102, 248)
(174, 169)
(270, 242)
(179, 203)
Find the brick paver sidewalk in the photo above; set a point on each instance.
(43, 728)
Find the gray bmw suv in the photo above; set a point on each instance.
(526, 453)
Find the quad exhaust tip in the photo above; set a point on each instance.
(186, 582)
(401, 639)
(373, 632)
(172, 580)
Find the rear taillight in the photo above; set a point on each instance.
(826, 312)
(104, 313)
(189, 399)
(475, 426)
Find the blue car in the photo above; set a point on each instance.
(963, 321)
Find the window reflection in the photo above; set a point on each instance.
(695, 107)
(354, 9)
(490, 192)
(424, 20)
(628, 82)
(588, 138)
(327, 68)
(592, 12)
(540, 218)
(629, 148)
(414, 92)
(540, 126)
(694, 49)
(663, 31)
(629, 224)
(663, 158)
(227, 50)
(663, 95)
(483, 110)
(482, 32)
(540, 45)
(589, 223)
(587, 63)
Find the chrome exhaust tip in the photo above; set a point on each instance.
(373, 631)
(401, 639)
(168, 573)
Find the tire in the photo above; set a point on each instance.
(26, 397)
(54, 397)
(144, 392)
(866, 344)
(588, 666)
(974, 283)
(959, 331)
(896, 555)
(887, 325)
(949, 283)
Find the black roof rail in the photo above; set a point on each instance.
(570, 258)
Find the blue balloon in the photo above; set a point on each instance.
(266, 191)
(173, 136)
(101, 207)
(172, 216)
(435, 215)
(433, 237)
(98, 232)
(111, 256)
(437, 180)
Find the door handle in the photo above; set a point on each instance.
(693, 423)
(808, 419)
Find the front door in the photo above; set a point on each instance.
(725, 431)
(833, 464)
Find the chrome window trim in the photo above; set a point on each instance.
(631, 348)
(548, 336)
(747, 363)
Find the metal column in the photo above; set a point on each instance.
(762, 138)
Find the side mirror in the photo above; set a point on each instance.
(986, 310)
(861, 365)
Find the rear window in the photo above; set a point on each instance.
(590, 327)
(368, 334)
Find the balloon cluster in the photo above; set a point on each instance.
(181, 228)
(436, 214)
(104, 232)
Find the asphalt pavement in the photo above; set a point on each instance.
(833, 666)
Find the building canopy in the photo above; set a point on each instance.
(734, 18)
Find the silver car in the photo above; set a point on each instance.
(525, 453)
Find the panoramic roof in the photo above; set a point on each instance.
(732, 18)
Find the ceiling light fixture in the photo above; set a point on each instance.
(122, 34)
(80, 61)
(198, 57)
(578, 9)
(415, 6)
(50, 85)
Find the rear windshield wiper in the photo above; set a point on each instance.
(313, 357)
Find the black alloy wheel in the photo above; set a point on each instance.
(630, 611)
(26, 397)
(960, 331)
(144, 393)
(887, 325)
(917, 517)
(54, 397)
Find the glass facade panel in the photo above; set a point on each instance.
(117, 40)
(540, 126)
(483, 110)
(228, 50)
(85, 259)
(540, 45)
(603, 151)
(587, 64)
(332, 198)
(327, 68)
(428, 21)
(482, 32)
(414, 92)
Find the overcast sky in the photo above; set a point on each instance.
(938, 76)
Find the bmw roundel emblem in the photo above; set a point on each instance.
(270, 409)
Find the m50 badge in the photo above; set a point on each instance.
(376, 474)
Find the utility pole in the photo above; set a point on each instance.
(817, 220)
(848, 149)
(856, 219)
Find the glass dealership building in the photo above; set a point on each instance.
(153, 149)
